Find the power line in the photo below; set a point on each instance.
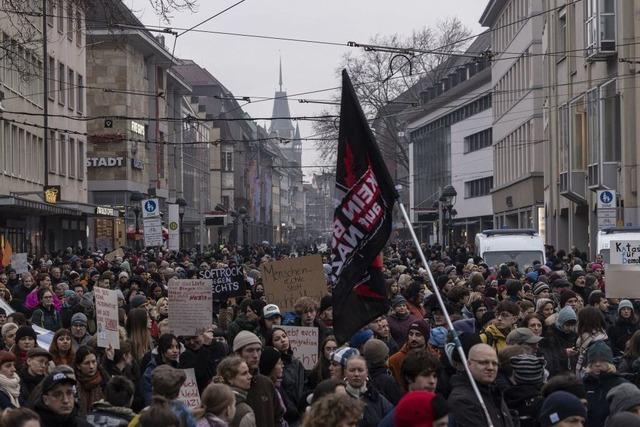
(210, 18)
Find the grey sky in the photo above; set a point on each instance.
(249, 66)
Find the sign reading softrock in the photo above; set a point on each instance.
(623, 271)
(227, 282)
(104, 162)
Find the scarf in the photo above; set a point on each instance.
(12, 387)
(89, 382)
(356, 392)
(89, 391)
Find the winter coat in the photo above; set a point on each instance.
(28, 382)
(494, 337)
(383, 381)
(376, 406)
(204, 362)
(399, 327)
(32, 300)
(466, 410)
(293, 387)
(527, 400)
(46, 318)
(49, 418)
(210, 420)
(146, 378)
(76, 344)
(395, 364)
(265, 403)
(582, 344)
(240, 324)
(553, 348)
(104, 414)
(597, 387)
(244, 417)
(620, 333)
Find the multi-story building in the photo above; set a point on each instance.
(319, 195)
(516, 74)
(590, 117)
(450, 145)
(27, 221)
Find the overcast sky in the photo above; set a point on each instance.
(249, 66)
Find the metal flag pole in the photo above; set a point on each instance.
(436, 291)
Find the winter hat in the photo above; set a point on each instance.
(623, 419)
(577, 267)
(79, 319)
(540, 287)
(421, 326)
(6, 356)
(123, 274)
(565, 296)
(360, 337)
(438, 336)
(325, 303)
(476, 305)
(343, 354)
(243, 339)
(465, 326)
(565, 315)
(623, 398)
(375, 352)
(268, 360)
(542, 302)
(522, 336)
(599, 351)
(532, 277)
(26, 331)
(167, 380)
(420, 409)
(528, 369)
(397, 300)
(625, 303)
(37, 351)
(8, 327)
(137, 301)
(559, 406)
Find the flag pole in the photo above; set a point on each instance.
(436, 291)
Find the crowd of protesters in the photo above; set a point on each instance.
(544, 345)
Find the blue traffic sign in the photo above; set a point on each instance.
(606, 197)
(150, 206)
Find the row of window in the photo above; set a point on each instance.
(21, 153)
(66, 155)
(513, 155)
(478, 187)
(462, 113)
(67, 84)
(20, 69)
(478, 141)
(509, 23)
(65, 16)
(512, 85)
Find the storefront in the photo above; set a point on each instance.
(107, 229)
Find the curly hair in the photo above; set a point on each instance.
(333, 410)
(228, 369)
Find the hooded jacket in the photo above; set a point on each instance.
(204, 361)
(376, 407)
(263, 400)
(494, 337)
(399, 326)
(104, 414)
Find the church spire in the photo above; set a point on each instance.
(281, 74)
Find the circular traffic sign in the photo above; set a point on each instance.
(606, 197)
(173, 226)
(150, 206)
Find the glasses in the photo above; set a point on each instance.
(485, 363)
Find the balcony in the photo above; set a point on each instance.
(600, 29)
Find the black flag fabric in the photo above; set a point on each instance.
(361, 223)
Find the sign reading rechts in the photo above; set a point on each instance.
(189, 394)
(107, 317)
(303, 341)
(226, 282)
(289, 279)
(190, 306)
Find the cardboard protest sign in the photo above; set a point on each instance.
(226, 282)
(189, 394)
(19, 262)
(111, 256)
(107, 317)
(303, 341)
(622, 274)
(289, 279)
(190, 306)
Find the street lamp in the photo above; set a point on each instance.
(447, 201)
(182, 204)
(242, 216)
(136, 197)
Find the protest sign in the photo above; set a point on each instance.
(19, 262)
(190, 306)
(289, 279)
(107, 317)
(303, 341)
(226, 282)
(114, 254)
(622, 274)
(189, 394)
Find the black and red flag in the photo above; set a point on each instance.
(361, 223)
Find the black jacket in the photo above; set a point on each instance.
(51, 419)
(376, 406)
(597, 387)
(620, 333)
(293, 386)
(28, 382)
(466, 410)
(383, 381)
(553, 348)
(526, 400)
(204, 362)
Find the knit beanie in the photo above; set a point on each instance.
(565, 315)
(421, 326)
(532, 277)
(476, 305)
(625, 303)
(375, 352)
(599, 351)
(243, 339)
(559, 406)
(8, 327)
(167, 380)
(361, 337)
(566, 295)
(623, 398)
(268, 360)
(528, 369)
(6, 356)
(343, 354)
(420, 409)
(542, 302)
(325, 303)
(26, 331)
(79, 319)
(397, 300)
(438, 337)
(623, 419)
(540, 287)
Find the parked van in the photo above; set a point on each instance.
(615, 233)
(522, 246)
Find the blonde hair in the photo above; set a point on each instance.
(215, 399)
(332, 410)
(611, 369)
(228, 369)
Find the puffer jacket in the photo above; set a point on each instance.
(494, 337)
(104, 414)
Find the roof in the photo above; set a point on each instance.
(491, 12)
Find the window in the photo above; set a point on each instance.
(70, 20)
(28, 154)
(78, 28)
(80, 162)
(225, 202)
(578, 139)
(80, 102)
(478, 141)
(63, 155)
(600, 27)
(72, 158)
(71, 89)
(610, 111)
(563, 134)
(61, 85)
(60, 13)
(51, 10)
(22, 155)
(52, 143)
(561, 39)
(16, 152)
(227, 161)
(52, 78)
(478, 187)
(8, 147)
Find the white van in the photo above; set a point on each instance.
(522, 246)
(615, 233)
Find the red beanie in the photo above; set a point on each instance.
(420, 409)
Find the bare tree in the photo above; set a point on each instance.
(165, 8)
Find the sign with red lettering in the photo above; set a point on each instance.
(289, 279)
(189, 394)
(190, 306)
(303, 341)
(107, 317)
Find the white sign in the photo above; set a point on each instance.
(190, 304)
(104, 162)
(606, 222)
(107, 317)
(150, 208)
(625, 252)
(189, 394)
(606, 199)
(174, 228)
(303, 341)
(623, 271)
(19, 263)
(152, 231)
(137, 128)
(102, 210)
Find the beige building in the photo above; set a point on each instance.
(590, 115)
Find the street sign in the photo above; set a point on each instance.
(604, 222)
(150, 208)
(152, 232)
(606, 199)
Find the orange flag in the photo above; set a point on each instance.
(7, 251)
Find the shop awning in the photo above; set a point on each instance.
(13, 203)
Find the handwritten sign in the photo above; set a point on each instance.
(19, 263)
(226, 282)
(190, 306)
(189, 394)
(111, 256)
(623, 271)
(303, 341)
(107, 317)
(287, 280)
(625, 252)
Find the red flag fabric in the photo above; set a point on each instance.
(362, 221)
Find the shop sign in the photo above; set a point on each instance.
(136, 127)
(52, 194)
(107, 162)
(137, 164)
(101, 210)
